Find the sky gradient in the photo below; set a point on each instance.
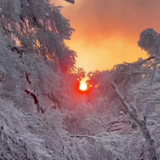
(107, 31)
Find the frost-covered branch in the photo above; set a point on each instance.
(130, 110)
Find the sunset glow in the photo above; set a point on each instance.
(83, 86)
(108, 34)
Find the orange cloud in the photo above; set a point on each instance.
(107, 31)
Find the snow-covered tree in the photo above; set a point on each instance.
(132, 96)
(35, 33)
(38, 28)
(141, 97)
(33, 62)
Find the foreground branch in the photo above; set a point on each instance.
(130, 110)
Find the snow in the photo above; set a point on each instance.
(41, 115)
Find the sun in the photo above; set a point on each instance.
(83, 86)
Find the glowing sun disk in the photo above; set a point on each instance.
(83, 86)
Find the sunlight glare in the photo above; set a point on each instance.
(83, 86)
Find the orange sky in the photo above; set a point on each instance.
(107, 31)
